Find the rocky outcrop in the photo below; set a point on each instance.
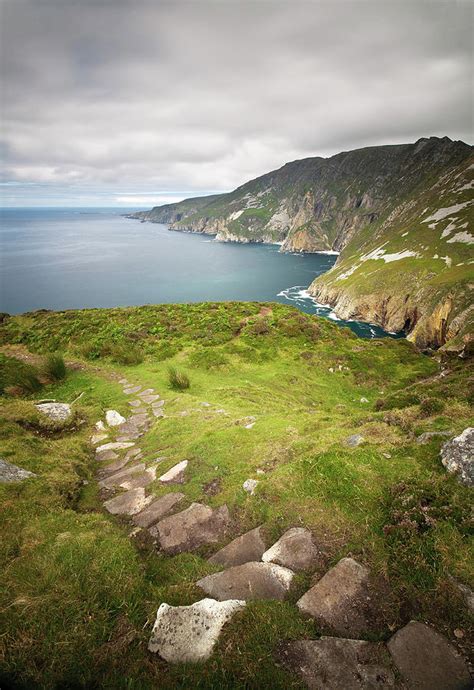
(457, 456)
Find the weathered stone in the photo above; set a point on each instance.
(134, 403)
(157, 510)
(58, 412)
(158, 412)
(331, 663)
(147, 391)
(112, 468)
(340, 599)
(113, 446)
(140, 479)
(354, 440)
(429, 435)
(295, 549)
(192, 528)
(100, 426)
(249, 581)
(113, 418)
(248, 547)
(12, 473)
(149, 398)
(175, 475)
(158, 403)
(457, 456)
(117, 477)
(128, 503)
(466, 593)
(250, 485)
(98, 438)
(188, 633)
(130, 390)
(427, 661)
(106, 455)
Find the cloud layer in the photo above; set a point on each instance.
(118, 101)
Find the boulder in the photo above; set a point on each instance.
(175, 475)
(157, 510)
(457, 456)
(128, 503)
(295, 549)
(58, 412)
(332, 663)
(427, 661)
(249, 581)
(340, 599)
(192, 528)
(113, 418)
(248, 547)
(12, 473)
(189, 633)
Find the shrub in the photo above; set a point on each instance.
(126, 354)
(429, 406)
(178, 380)
(55, 367)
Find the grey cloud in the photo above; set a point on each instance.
(204, 95)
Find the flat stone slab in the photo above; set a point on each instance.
(176, 474)
(113, 418)
(140, 479)
(340, 599)
(12, 473)
(130, 390)
(157, 510)
(134, 403)
(427, 661)
(128, 503)
(332, 663)
(295, 549)
(106, 455)
(149, 398)
(189, 633)
(158, 403)
(457, 456)
(113, 446)
(58, 412)
(158, 412)
(192, 528)
(113, 467)
(117, 477)
(248, 547)
(249, 581)
(98, 437)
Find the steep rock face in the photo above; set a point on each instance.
(400, 216)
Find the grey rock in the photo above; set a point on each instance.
(457, 456)
(140, 479)
(158, 412)
(106, 455)
(295, 549)
(113, 418)
(248, 547)
(429, 435)
(354, 440)
(113, 446)
(112, 468)
(117, 477)
(332, 663)
(158, 403)
(249, 581)
(135, 403)
(176, 474)
(466, 592)
(130, 390)
(98, 437)
(192, 528)
(157, 510)
(427, 661)
(12, 473)
(340, 599)
(189, 633)
(58, 412)
(128, 503)
(149, 398)
(250, 485)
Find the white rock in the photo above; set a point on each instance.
(250, 485)
(113, 418)
(114, 446)
(175, 475)
(188, 633)
(364, 400)
(100, 426)
(58, 412)
(98, 438)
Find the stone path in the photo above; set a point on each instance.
(342, 601)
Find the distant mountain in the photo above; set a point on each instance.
(400, 216)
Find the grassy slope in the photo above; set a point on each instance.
(79, 596)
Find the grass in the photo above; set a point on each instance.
(55, 367)
(78, 595)
(178, 380)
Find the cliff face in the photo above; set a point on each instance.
(400, 216)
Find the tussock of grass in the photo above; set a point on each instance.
(178, 380)
(54, 367)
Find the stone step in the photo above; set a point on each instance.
(130, 390)
(192, 528)
(128, 503)
(248, 547)
(176, 474)
(295, 550)
(157, 510)
(149, 398)
(249, 581)
(117, 445)
(117, 477)
(189, 633)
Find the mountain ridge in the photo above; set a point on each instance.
(366, 205)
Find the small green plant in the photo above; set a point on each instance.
(178, 380)
(55, 367)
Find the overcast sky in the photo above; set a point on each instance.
(108, 102)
